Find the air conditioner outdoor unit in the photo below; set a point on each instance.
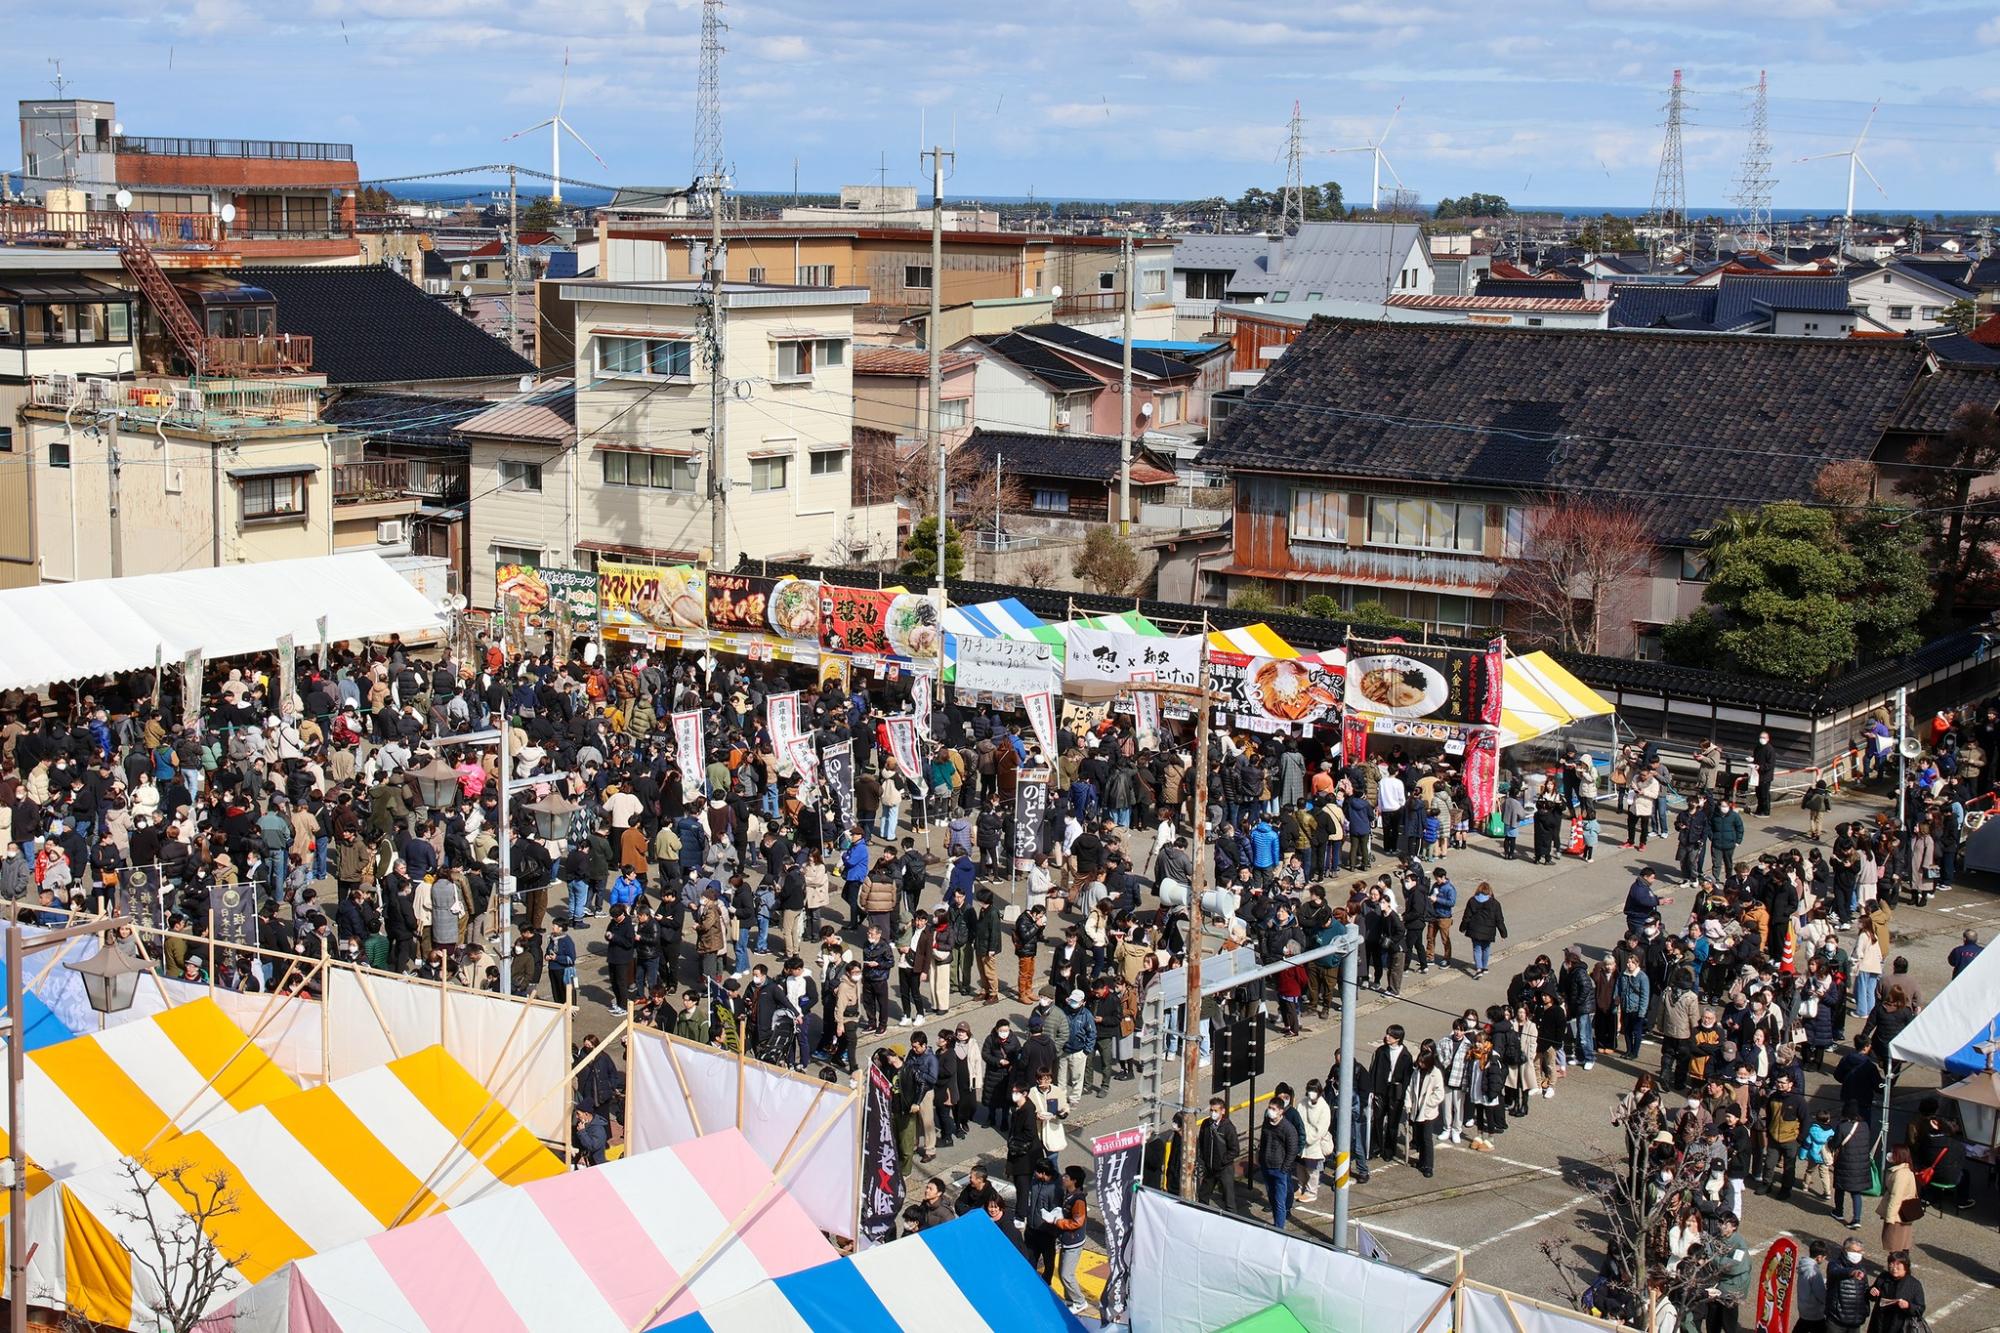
(99, 392)
(1062, 420)
(62, 387)
(188, 402)
(389, 532)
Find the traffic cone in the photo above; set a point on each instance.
(1785, 961)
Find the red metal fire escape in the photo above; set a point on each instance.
(167, 301)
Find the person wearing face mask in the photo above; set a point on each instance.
(1000, 1053)
(1316, 1114)
(1025, 1152)
(1847, 1284)
(1277, 1156)
(1216, 1146)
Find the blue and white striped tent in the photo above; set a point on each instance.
(1004, 619)
(963, 1276)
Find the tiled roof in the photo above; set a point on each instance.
(1985, 273)
(548, 414)
(1958, 349)
(1952, 269)
(405, 418)
(1987, 331)
(1077, 457)
(1936, 400)
(1521, 304)
(374, 326)
(1744, 300)
(1938, 276)
(1040, 362)
(1652, 305)
(1581, 411)
(1109, 353)
(1548, 289)
(1353, 261)
(905, 361)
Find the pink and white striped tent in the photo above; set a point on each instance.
(590, 1250)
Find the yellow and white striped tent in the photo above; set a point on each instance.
(103, 1095)
(1258, 640)
(311, 1171)
(1541, 697)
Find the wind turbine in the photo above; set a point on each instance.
(1381, 160)
(556, 125)
(1853, 156)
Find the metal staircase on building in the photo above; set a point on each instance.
(168, 303)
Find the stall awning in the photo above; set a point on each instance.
(71, 631)
(1964, 1016)
(1258, 640)
(1541, 697)
(1007, 618)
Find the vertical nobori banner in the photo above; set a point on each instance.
(1145, 712)
(232, 915)
(903, 747)
(881, 1181)
(838, 761)
(190, 687)
(799, 749)
(1041, 710)
(921, 687)
(688, 745)
(288, 674)
(781, 718)
(1118, 1157)
(1775, 1285)
(141, 896)
(322, 642)
(1031, 802)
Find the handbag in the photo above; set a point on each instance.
(1911, 1211)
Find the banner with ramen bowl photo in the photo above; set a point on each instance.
(1431, 682)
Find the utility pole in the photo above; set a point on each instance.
(708, 162)
(934, 416)
(112, 490)
(513, 260)
(1125, 391)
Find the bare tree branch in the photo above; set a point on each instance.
(1581, 566)
(177, 1209)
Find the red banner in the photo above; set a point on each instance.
(1482, 772)
(1775, 1285)
(1353, 738)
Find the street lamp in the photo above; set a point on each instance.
(437, 783)
(552, 816)
(110, 979)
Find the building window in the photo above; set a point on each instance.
(1431, 525)
(768, 474)
(1694, 566)
(1153, 282)
(1281, 296)
(1107, 281)
(1899, 312)
(1169, 408)
(815, 275)
(917, 275)
(1206, 285)
(797, 358)
(1318, 516)
(58, 453)
(6, 439)
(828, 462)
(1933, 311)
(1314, 296)
(1534, 321)
(516, 555)
(274, 497)
(667, 358)
(1514, 537)
(659, 472)
(1812, 326)
(1051, 501)
(518, 476)
(756, 275)
(952, 413)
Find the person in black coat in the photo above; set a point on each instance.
(1897, 1295)
(621, 950)
(1389, 1080)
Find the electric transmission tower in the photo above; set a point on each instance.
(710, 183)
(1669, 212)
(1293, 205)
(708, 167)
(1757, 182)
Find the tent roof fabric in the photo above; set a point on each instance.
(1274, 1319)
(310, 1171)
(963, 1275)
(1539, 697)
(103, 1095)
(1964, 1014)
(72, 631)
(1258, 640)
(1007, 618)
(587, 1252)
(39, 1021)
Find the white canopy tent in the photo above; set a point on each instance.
(1958, 1034)
(72, 631)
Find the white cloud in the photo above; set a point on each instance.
(1989, 32)
(787, 48)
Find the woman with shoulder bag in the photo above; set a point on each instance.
(1900, 1207)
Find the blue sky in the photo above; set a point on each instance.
(1555, 103)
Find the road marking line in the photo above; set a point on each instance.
(1959, 1302)
(1525, 1166)
(1523, 1225)
(1388, 1231)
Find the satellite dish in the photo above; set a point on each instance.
(527, 384)
(1027, 293)
(117, 127)
(1911, 748)
(229, 212)
(466, 292)
(124, 198)
(465, 270)
(1056, 292)
(1145, 409)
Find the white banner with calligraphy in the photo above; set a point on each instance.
(903, 748)
(689, 746)
(781, 717)
(1006, 666)
(1041, 710)
(799, 749)
(1101, 662)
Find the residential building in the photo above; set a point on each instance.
(892, 392)
(1067, 483)
(523, 472)
(1532, 312)
(273, 201)
(1050, 377)
(1798, 307)
(1341, 261)
(1909, 295)
(1402, 462)
(154, 476)
(643, 479)
(889, 206)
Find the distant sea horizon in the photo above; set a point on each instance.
(587, 197)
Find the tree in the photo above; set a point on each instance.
(1107, 562)
(1372, 614)
(920, 553)
(540, 214)
(1580, 567)
(1894, 595)
(1943, 471)
(969, 488)
(1608, 233)
(174, 1212)
(1778, 597)
(1321, 203)
(1962, 315)
(1473, 206)
(1254, 600)
(1631, 1209)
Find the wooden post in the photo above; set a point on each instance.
(388, 1034)
(687, 1095)
(325, 1019)
(631, 1044)
(741, 1029)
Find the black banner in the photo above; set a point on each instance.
(837, 763)
(1427, 682)
(232, 914)
(1119, 1157)
(1031, 802)
(1239, 1052)
(881, 1181)
(141, 895)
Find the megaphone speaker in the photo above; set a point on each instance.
(1910, 748)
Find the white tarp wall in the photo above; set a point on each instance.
(681, 1091)
(1485, 1310)
(519, 1047)
(67, 631)
(1194, 1271)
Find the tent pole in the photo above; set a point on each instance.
(687, 1094)
(171, 1124)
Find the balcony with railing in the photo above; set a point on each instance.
(1440, 571)
(277, 353)
(1093, 307)
(368, 481)
(24, 224)
(216, 406)
(279, 149)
